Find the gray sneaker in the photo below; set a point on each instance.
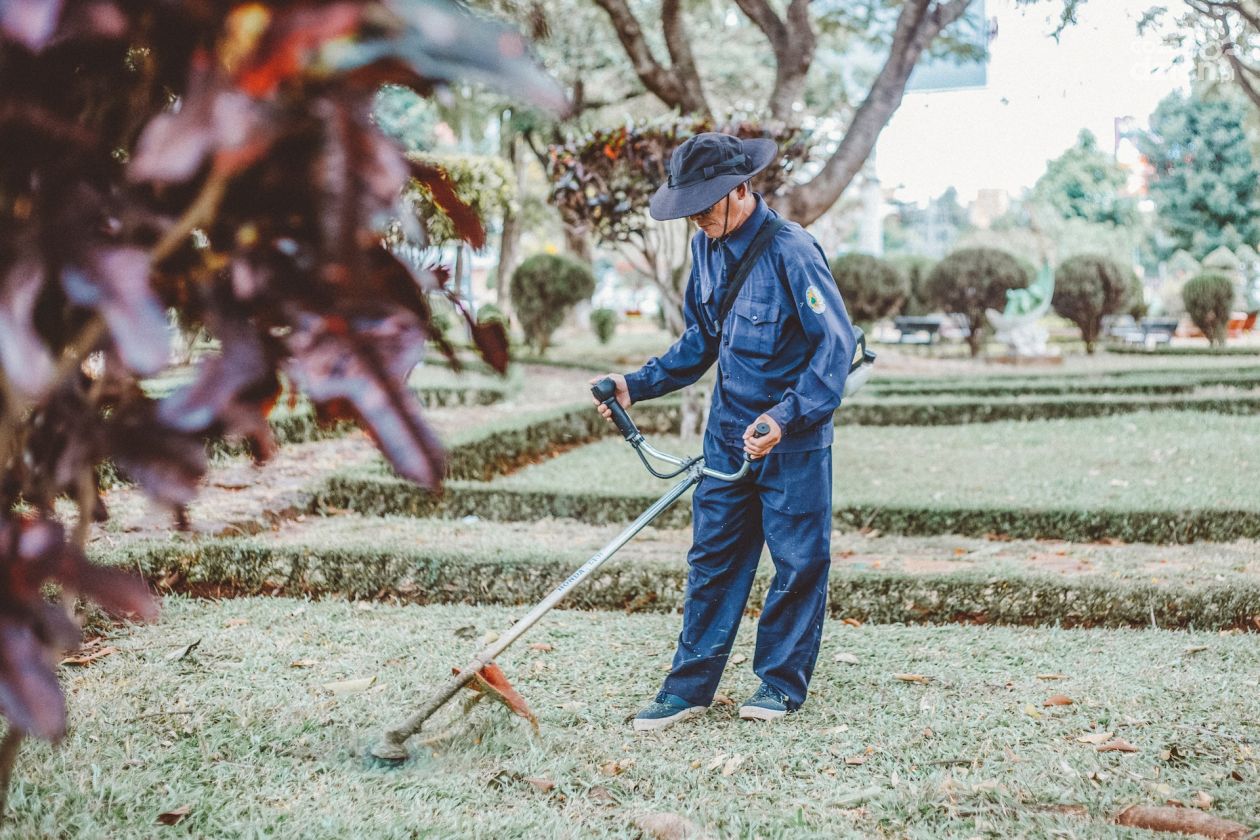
(664, 712)
(767, 704)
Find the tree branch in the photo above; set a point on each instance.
(679, 46)
(793, 43)
(664, 82)
(919, 22)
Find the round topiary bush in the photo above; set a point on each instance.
(491, 314)
(1209, 299)
(916, 270)
(604, 323)
(544, 288)
(1088, 287)
(970, 280)
(871, 288)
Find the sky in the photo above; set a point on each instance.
(1039, 95)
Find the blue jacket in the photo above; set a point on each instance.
(784, 349)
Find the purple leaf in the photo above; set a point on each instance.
(29, 694)
(26, 361)
(365, 362)
(166, 463)
(30, 22)
(117, 284)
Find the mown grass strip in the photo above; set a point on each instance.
(242, 731)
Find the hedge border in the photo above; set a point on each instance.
(1165, 384)
(898, 411)
(381, 495)
(250, 566)
(1183, 351)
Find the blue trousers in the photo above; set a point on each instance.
(785, 502)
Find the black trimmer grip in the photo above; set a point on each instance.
(605, 390)
(761, 430)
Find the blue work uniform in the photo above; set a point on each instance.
(783, 350)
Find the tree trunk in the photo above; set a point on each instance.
(678, 86)
(919, 22)
(510, 240)
(577, 241)
(975, 339)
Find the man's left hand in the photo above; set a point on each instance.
(759, 447)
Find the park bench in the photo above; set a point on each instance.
(918, 329)
(1147, 332)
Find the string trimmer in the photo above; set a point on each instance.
(391, 747)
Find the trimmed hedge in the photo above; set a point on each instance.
(1071, 524)
(503, 447)
(376, 494)
(905, 411)
(1184, 351)
(1179, 383)
(381, 495)
(423, 575)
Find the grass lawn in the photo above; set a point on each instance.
(1166, 460)
(241, 730)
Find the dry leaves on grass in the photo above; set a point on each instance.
(87, 657)
(738, 659)
(1052, 676)
(616, 768)
(1181, 821)
(540, 784)
(542, 647)
(1095, 738)
(913, 678)
(182, 653)
(1117, 745)
(342, 688)
(661, 825)
(847, 658)
(1057, 700)
(174, 816)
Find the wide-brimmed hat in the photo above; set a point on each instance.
(705, 168)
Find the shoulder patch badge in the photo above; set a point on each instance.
(814, 298)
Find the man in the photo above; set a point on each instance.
(782, 353)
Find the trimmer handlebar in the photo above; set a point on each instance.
(605, 390)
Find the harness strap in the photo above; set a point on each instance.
(765, 235)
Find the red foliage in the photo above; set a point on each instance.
(217, 160)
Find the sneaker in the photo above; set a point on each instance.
(767, 704)
(664, 712)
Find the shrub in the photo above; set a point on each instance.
(1209, 298)
(604, 323)
(491, 314)
(971, 280)
(1137, 305)
(544, 288)
(916, 270)
(1089, 286)
(871, 288)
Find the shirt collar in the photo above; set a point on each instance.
(738, 240)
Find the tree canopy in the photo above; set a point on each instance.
(1205, 183)
(1085, 183)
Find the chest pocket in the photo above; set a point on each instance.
(755, 327)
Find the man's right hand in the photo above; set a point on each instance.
(623, 394)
